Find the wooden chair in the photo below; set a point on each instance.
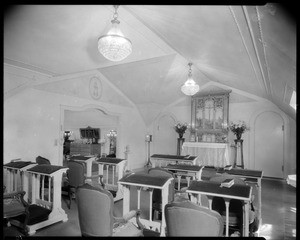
(14, 205)
(95, 213)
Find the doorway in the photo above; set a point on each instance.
(74, 118)
(269, 144)
(165, 136)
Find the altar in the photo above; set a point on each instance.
(209, 153)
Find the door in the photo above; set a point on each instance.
(165, 141)
(269, 144)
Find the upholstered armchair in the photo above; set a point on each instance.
(76, 177)
(96, 218)
(189, 219)
(41, 160)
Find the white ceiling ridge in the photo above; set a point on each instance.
(222, 70)
(183, 98)
(71, 76)
(267, 79)
(244, 42)
(138, 19)
(184, 60)
(241, 92)
(28, 67)
(15, 90)
(142, 61)
(256, 51)
(289, 58)
(117, 90)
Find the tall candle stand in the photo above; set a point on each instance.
(148, 140)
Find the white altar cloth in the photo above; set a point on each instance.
(210, 154)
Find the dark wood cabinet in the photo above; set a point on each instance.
(85, 149)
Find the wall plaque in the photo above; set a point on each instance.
(95, 88)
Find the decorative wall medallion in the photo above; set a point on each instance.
(95, 88)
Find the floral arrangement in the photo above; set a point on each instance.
(180, 128)
(238, 128)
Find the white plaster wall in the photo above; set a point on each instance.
(245, 111)
(32, 126)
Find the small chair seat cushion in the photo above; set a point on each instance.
(127, 229)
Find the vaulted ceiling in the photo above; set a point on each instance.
(249, 48)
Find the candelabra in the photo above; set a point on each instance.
(148, 140)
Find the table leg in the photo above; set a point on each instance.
(188, 181)
(193, 197)
(100, 172)
(227, 216)
(89, 170)
(179, 179)
(246, 222)
(150, 204)
(139, 197)
(259, 200)
(126, 200)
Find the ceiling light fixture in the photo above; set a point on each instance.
(114, 46)
(190, 87)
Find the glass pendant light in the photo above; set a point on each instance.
(190, 87)
(114, 46)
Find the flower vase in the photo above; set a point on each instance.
(180, 141)
(238, 136)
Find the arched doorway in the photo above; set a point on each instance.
(269, 144)
(165, 135)
(72, 118)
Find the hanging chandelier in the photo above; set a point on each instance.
(190, 87)
(114, 46)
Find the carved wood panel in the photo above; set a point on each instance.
(210, 117)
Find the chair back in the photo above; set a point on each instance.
(95, 210)
(41, 160)
(156, 192)
(235, 206)
(75, 173)
(189, 219)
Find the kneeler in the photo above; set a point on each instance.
(112, 170)
(45, 208)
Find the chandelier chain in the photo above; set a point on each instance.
(190, 70)
(115, 16)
